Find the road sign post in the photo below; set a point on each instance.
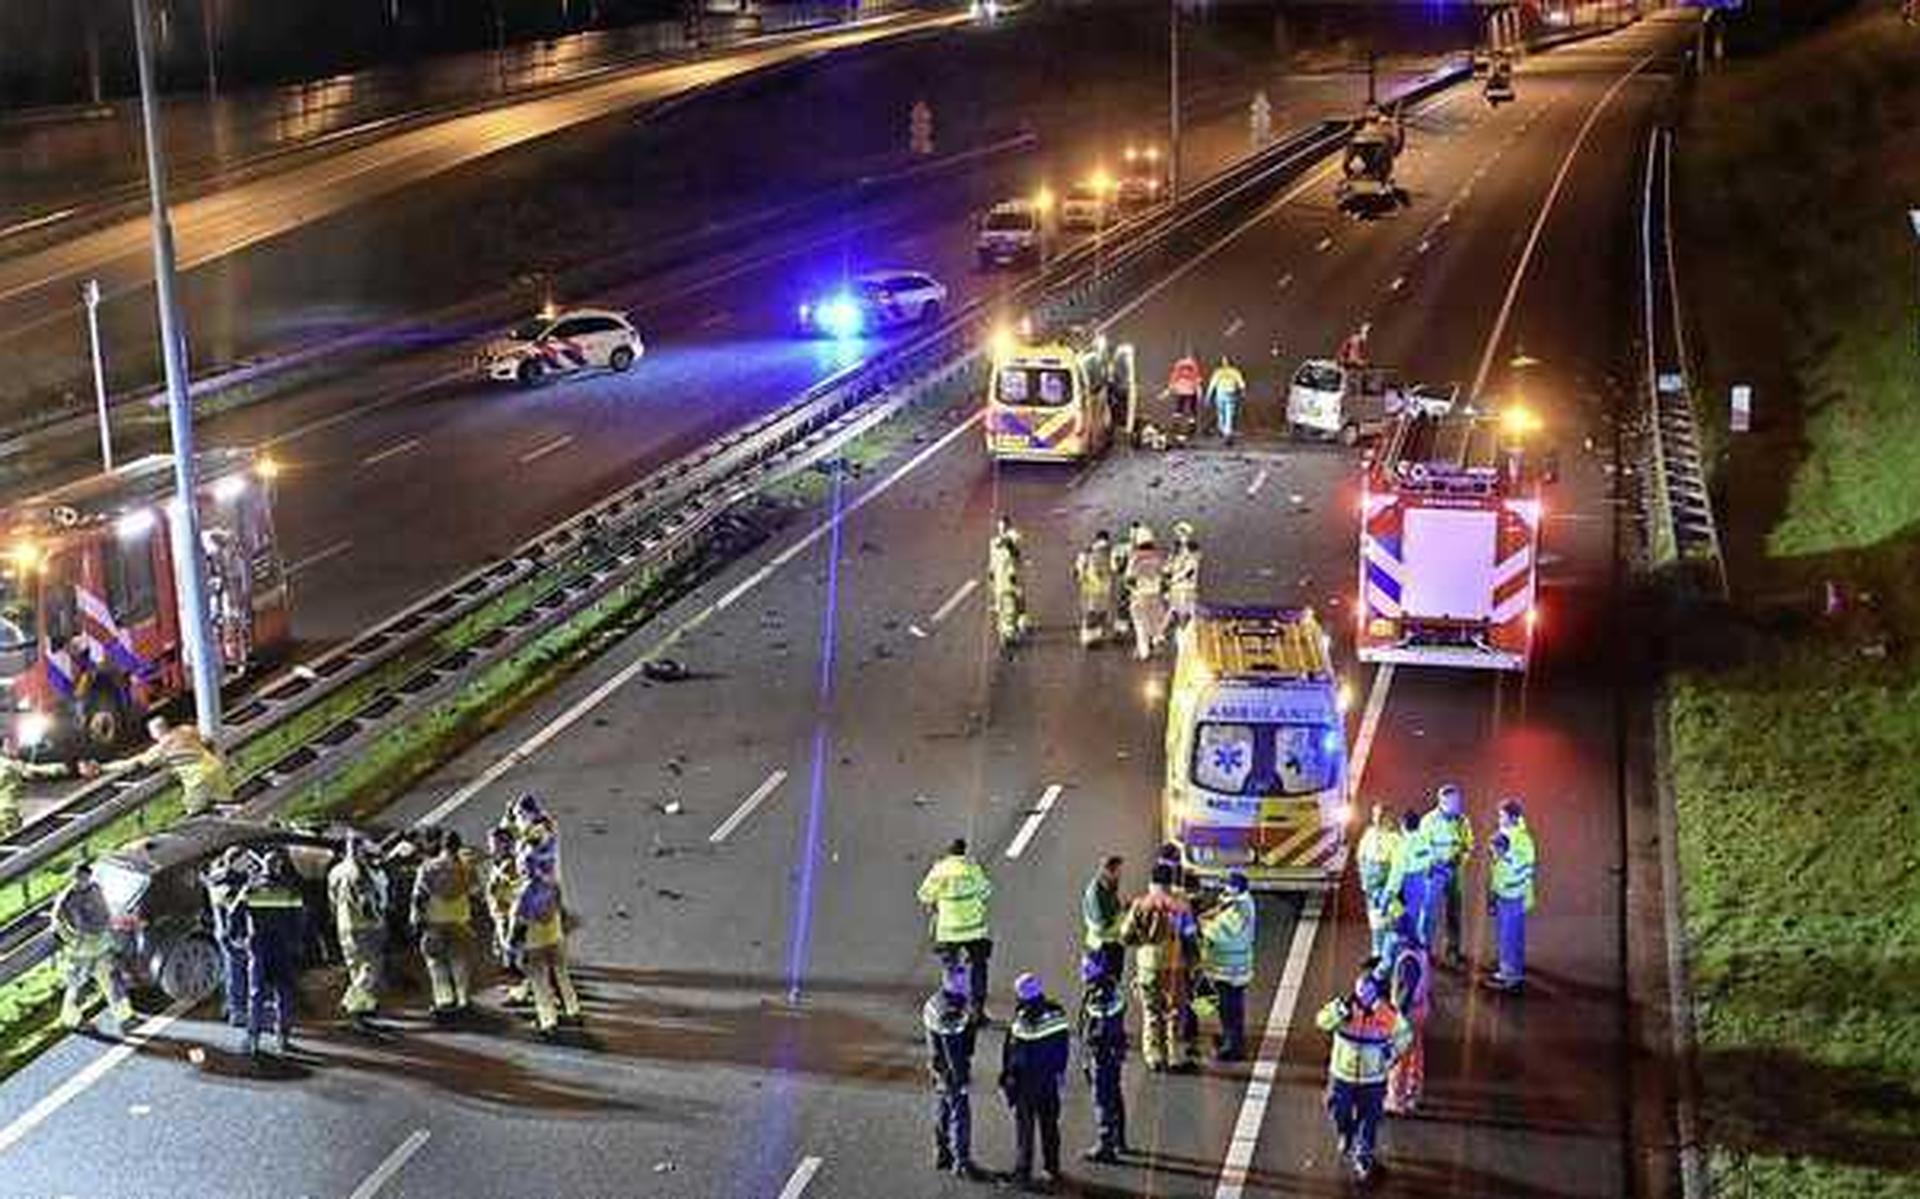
(920, 129)
(1260, 120)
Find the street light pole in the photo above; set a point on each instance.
(1913, 218)
(90, 292)
(1173, 101)
(189, 564)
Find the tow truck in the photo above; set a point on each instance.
(1351, 403)
(90, 637)
(1256, 748)
(1366, 187)
(1058, 397)
(1451, 511)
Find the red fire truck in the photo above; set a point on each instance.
(89, 624)
(1450, 516)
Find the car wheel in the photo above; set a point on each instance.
(190, 969)
(621, 359)
(103, 723)
(529, 373)
(929, 312)
(1350, 434)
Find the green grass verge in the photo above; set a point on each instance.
(1794, 770)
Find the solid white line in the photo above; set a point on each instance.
(1032, 824)
(1273, 1040)
(392, 451)
(1259, 481)
(953, 601)
(1540, 223)
(626, 674)
(747, 805)
(86, 1076)
(37, 222)
(319, 556)
(802, 1175)
(387, 1169)
(541, 451)
(1370, 722)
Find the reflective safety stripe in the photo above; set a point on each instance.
(940, 1020)
(1052, 1022)
(1116, 1005)
(270, 897)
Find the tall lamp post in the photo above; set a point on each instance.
(1173, 101)
(90, 292)
(1913, 218)
(189, 565)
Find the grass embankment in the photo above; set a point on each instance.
(1795, 768)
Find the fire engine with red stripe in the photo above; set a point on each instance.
(1451, 511)
(559, 343)
(89, 623)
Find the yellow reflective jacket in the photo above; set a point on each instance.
(957, 890)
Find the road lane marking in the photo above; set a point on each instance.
(1266, 1066)
(953, 601)
(1032, 824)
(1399, 281)
(802, 1175)
(1540, 223)
(1259, 481)
(539, 738)
(1426, 243)
(81, 1080)
(1233, 326)
(385, 1171)
(1324, 244)
(318, 556)
(1286, 281)
(1253, 1108)
(38, 222)
(359, 410)
(552, 447)
(747, 805)
(715, 320)
(392, 451)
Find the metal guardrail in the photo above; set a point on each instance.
(1682, 505)
(619, 546)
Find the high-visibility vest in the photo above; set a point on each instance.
(1375, 854)
(356, 899)
(1183, 572)
(957, 889)
(539, 912)
(1227, 380)
(1450, 836)
(1100, 914)
(1093, 570)
(1365, 1041)
(441, 893)
(1226, 941)
(1414, 852)
(1512, 878)
(1145, 571)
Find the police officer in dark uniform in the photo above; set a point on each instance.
(1033, 1070)
(950, 1027)
(1103, 1051)
(224, 880)
(272, 920)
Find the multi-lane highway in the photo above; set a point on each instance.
(743, 845)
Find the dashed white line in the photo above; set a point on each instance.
(1399, 281)
(539, 738)
(802, 1175)
(1426, 243)
(1233, 326)
(1325, 244)
(1031, 825)
(318, 556)
(392, 451)
(1286, 281)
(1259, 481)
(37, 222)
(89, 1074)
(388, 1168)
(953, 601)
(552, 447)
(747, 805)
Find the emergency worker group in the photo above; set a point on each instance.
(430, 895)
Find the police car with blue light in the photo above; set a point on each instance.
(557, 343)
(874, 302)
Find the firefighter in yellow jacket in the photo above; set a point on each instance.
(205, 782)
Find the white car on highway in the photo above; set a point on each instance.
(875, 301)
(561, 343)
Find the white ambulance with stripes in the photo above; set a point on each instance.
(1450, 518)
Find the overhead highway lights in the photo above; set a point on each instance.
(229, 488)
(23, 555)
(1100, 181)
